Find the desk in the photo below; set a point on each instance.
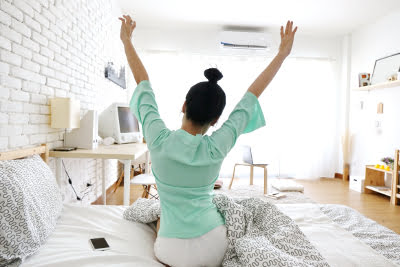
(125, 152)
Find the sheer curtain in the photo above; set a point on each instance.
(300, 107)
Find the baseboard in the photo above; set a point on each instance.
(338, 175)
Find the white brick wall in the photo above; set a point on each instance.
(56, 49)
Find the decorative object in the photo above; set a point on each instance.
(364, 79)
(65, 113)
(380, 108)
(385, 68)
(388, 161)
(393, 77)
(398, 74)
(117, 77)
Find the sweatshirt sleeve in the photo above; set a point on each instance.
(245, 118)
(144, 106)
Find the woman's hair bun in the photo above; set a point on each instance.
(213, 75)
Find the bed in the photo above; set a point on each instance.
(132, 243)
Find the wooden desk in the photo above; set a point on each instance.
(126, 153)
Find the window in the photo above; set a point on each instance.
(300, 107)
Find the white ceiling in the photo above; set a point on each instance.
(315, 17)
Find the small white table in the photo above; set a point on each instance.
(126, 153)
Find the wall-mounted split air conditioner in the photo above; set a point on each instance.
(245, 40)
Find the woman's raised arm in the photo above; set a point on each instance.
(262, 81)
(136, 65)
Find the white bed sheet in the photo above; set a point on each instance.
(132, 243)
(339, 247)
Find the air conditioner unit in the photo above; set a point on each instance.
(245, 40)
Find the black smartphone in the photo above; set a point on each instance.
(99, 243)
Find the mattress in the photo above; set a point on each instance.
(132, 243)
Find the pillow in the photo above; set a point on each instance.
(286, 185)
(30, 204)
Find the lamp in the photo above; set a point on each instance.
(65, 113)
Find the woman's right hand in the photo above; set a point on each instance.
(127, 27)
(287, 38)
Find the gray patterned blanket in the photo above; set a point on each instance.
(383, 240)
(258, 233)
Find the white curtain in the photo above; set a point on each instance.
(300, 107)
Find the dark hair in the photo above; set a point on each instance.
(205, 101)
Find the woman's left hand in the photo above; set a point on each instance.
(287, 38)
(127, 27)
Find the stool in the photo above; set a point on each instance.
(147, 181)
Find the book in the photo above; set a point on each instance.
(276, 195)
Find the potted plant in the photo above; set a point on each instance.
(388, 161)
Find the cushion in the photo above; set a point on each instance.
(286, 185)
(30, 204)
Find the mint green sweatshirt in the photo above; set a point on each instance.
(186, 166)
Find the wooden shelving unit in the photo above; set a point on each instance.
(379, 170)
(384, 190)
(378, 86)
(375, 181)
(395, 199)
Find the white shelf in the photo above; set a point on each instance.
(380, 189)
(378, 86)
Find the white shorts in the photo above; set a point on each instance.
(206, 250)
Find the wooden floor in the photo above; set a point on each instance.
(117, 198)
(326, 191)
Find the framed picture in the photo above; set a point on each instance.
(364, 79)
(385, 68)
(114, 75)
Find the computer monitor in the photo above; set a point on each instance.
(117, 121)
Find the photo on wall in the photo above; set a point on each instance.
(115, 74)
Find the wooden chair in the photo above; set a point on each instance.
(248, 161)
(251, 173)
(395, 198)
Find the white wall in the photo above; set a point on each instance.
(370, 144)
(55, 48)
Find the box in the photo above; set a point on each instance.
(357, 183)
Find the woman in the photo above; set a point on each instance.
(186, 162)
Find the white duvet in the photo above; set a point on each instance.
(132, 243)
